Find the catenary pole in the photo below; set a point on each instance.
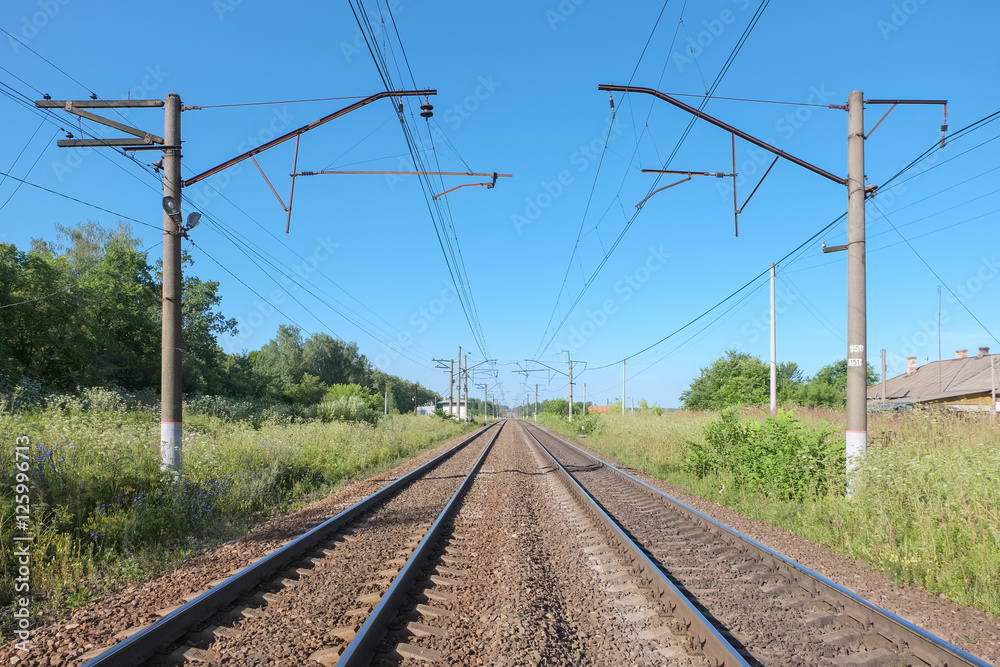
(536, 402)
(884, 397)
(171, 393)
(458, 379)
(774, 353)
(623, 387)
(451, 391)
(570, 388)
(857, 367)
(466, 389)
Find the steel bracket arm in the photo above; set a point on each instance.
(725, 126)
(305, 128)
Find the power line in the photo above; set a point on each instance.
(80, 201)
(718, 80)
(935, 274)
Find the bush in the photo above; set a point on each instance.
(347, 409)
(778, 457)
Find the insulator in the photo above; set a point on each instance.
(944, 128)
(426, 110)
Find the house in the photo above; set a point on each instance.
(962, 383)
(598, 409)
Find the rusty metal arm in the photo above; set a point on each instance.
(408, 173)
(305, 128)
(127, 129)
(728, 128)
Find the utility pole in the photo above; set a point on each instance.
(633, 405)
(451, 390)
(584, 399)
(623, 387)
(857, 361)
(415, 398)
(884, 397)
(857, 332)
(171, 396)
(536, 402)
(386, 403)
(459, 380)
(774, 352)
(486, 401)
(466, 389)
(570, 387)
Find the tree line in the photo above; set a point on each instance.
(85, 311)
(739, 378)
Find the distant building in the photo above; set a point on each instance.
(454, 409)
(598, 409)
(962, 383)
(425, 409)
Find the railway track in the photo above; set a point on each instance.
(516, 547)
(226, 621)
(770, 609)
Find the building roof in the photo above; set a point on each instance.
(937, 380)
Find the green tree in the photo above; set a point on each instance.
(204, 362)
(828, 387)
(735, 379)
(738, 379)
(334, 361)
(281, 359)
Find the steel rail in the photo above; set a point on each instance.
(362, 648)
(710, 641)
(924, 645)
(143, 644)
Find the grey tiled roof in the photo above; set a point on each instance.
(940, 379)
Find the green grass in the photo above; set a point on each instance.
(104, 516)
(925, 507)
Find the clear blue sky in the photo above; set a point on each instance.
(517, 93)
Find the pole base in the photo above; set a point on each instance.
(170, 446)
